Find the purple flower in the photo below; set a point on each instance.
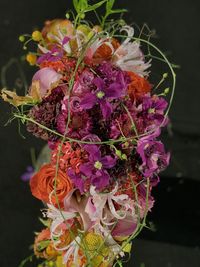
(28, 174)
(102, 95)
(55, 54)
(80, 123)
(78, 181)
(109, 84)
(83, 83)
(152, 153)
(95, 169)
(150, 112)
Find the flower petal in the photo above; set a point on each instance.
(106, 109)
(88, 101)
(47, 78)
(108, 162)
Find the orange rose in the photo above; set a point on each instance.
(138, 86)
(43, 184)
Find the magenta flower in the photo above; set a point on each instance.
(95, 169)
(55, 54)
(150, 112)
(102, 96)
(77, 180)
(152, 153)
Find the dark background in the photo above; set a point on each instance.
(176, 215)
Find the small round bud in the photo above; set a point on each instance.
(67, 15)
(82, 16)
(118, 153)
(21, 38)
(166, 91)
(31, 58)
(37, 36)
(165, 75)
(124, 157)
(50, 264)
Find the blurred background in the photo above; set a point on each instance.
(175, 241)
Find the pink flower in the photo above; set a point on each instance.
(48, 79)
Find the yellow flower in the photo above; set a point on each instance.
(37, 36)
(93, 241)
(31, 58)
(51, 252)
(50, 264)
(59, 262)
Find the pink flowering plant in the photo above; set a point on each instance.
(93, 103)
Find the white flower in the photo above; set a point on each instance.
(129, 56)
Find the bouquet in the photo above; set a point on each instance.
(93, 103)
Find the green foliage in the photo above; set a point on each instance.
(83, 6)
(110, 11)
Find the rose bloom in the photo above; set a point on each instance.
(43, 184)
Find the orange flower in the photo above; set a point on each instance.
(138, 86)
(43, 183)
(105, 51)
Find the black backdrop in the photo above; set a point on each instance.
(176, 214)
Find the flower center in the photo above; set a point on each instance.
(100, 94)
(151, 110)
(98, 165)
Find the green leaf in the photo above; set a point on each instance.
(76, 5)
(95, 6)
(118, 11)
(109, 4)
(45, 222)
(43, 244)
(83, 4)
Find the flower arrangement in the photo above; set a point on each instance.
(92, 102)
